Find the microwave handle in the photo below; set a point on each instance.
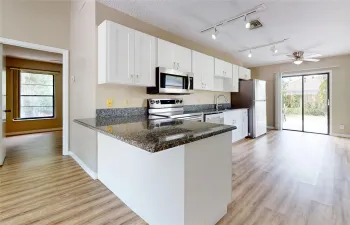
(189, 83)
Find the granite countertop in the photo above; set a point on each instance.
(154, 135)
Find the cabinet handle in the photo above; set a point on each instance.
(178, 65)
(174, 66)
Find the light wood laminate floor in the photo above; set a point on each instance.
(282, 178)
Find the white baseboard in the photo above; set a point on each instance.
(33, 131)
(340, 135)
(2, 161)
(270, 127)
(91, 173)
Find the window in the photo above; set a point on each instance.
(36, 94)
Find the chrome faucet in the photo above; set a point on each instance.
(217, 101)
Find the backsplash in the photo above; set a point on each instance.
(136, 97)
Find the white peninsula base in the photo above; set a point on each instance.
(186, 185)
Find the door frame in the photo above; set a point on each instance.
(329, 108)
(65, 82)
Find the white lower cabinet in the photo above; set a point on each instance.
(238, 118)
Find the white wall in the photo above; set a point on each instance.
(36, 21)
(83, 66)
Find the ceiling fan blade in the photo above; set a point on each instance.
(290, 56)
(312, 55)
(312, 60)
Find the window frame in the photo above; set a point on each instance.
(53, 96)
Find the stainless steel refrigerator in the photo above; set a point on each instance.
(252, 95)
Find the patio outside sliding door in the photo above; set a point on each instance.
(305, 103)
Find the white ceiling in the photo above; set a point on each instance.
(26, 53)
(317, 26)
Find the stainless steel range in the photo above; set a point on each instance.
(171, 108)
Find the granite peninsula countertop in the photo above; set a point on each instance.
(154, 135)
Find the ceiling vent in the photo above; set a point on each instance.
(255, 24)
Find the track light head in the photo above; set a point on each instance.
(247, 23)
(250, 54)
(215, 34)
(274, 50)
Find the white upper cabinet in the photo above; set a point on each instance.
(183, 58)
(235, 79)
(174, 56)
(244, 73)
(203, 70)
(145, 59)
(125, 56)
(165, 54)
(222, 68)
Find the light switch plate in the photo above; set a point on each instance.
(342, 127)
(109, 103)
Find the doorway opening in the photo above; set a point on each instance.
(306, 103)
(37, 96)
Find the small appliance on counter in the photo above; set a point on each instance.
(172, 108)
(252, 95)
(173, 82)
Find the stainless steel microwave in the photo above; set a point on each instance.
(173, 82)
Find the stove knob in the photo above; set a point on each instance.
(180, 101)
(177, 101)
(152, 102)
(157, 101)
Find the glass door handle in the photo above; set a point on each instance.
(7, 110)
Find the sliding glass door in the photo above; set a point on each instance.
(305, 103)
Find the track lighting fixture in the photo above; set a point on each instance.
(274, 49)
(215, 34)
(250, 54)
(247, 23)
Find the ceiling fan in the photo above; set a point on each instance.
(298, 57)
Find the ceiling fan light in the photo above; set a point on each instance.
(250, 54)
(298, 62)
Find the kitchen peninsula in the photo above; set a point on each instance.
(168, 171)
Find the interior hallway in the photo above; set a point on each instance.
(282, 178)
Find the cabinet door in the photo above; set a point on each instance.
(244, 73)
(165, 54)
(182, 58)
(219, 67)
(145, 59)
(238, 122)
(120, 54)
(245, 123)
(197, 69)
(228, 69)
(208, 72)
(235, 79)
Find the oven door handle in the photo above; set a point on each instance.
(195, 118)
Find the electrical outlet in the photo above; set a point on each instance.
(342, 127)
(109, 103)
(109, 129)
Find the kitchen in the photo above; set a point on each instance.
(170, 132)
